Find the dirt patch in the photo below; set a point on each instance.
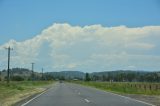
(155, 100)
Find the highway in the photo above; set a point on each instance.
(66, 94)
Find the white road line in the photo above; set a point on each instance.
(79, 93)
(33, 98)
(132, 99)
(122, 96)
(87, 100)
(36, 97)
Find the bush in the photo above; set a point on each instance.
(87, 77)
(17, 78)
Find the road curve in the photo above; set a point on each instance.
(66, 94)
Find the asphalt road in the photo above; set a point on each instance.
(66, 94)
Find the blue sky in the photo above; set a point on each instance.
(125, 34)
(23, 19)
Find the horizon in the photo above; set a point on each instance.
(91, 36)
(39, 71)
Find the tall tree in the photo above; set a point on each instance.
(87, 77)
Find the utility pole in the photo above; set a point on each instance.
(32, 71)
(8, 71)
(42, 73)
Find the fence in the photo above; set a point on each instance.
(146, 86)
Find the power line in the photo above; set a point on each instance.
(32, 71)
(8, 71)
(42, 73)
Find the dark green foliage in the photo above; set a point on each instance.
(68, 75)
(17, 78)
(126, 76)
(87, 77)
(112, 76)
(62, 78)
(48, 76)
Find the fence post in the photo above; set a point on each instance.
(145, 87)
(150, 87)
(156, 87)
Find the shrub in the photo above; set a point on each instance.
(17, 78)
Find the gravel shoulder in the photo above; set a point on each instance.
(155, 100)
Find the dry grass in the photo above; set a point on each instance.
(17, 91)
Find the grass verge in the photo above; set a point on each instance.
(124, 87)
(16, 91)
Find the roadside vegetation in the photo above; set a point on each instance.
(23, 84)
(18, 90)
(121, 87)
(124, 87)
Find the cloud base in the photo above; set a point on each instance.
(89, 48)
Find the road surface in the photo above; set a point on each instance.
(66, 94)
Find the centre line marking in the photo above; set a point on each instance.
(87, 100)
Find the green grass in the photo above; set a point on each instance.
(21, 87)
(124, 87)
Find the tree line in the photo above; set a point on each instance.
(122, 76)
(20, 74)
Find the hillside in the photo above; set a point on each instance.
(119, 75)
(68, 74)
(21, 72)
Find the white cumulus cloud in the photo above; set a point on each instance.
(89, 48)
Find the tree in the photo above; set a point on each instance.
(62, 78)
(87, 77)
(95, 78)
(104, 78)
(0, 75)
(17, 78)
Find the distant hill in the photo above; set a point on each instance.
(68, 74)
(25, 73)
(119, 75)
(113, 73)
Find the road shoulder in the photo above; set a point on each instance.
(31, 95)
(155, 100)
